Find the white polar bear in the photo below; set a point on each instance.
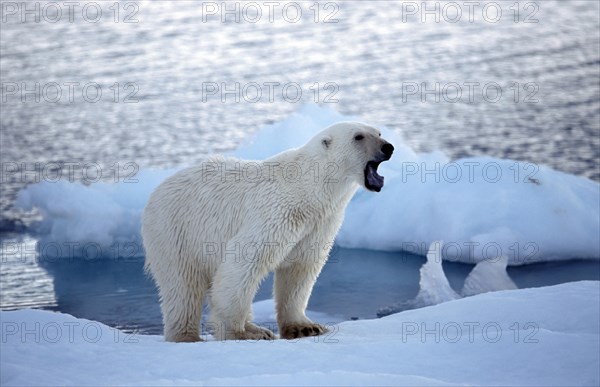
(219, 228)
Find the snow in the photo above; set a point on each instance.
(433, 285)
(540, 336)
(488, 276)
(481, 207)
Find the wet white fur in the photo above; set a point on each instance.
(217, 229)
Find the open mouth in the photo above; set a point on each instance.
(373, 180)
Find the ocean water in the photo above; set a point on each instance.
(523, 86)
(156, 66)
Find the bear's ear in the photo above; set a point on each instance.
(326, 141)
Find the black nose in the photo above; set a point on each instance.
(387, 149)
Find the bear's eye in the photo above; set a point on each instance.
(359, 137)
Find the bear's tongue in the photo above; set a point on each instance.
(373, 180)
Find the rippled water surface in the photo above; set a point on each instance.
(360, 50)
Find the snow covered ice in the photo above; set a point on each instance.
(541, 336)
(486, 276)
(481, 207)
(433, 286)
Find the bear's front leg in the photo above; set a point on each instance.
(293, 286)
(234, 286)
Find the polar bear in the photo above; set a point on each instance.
(217, 229)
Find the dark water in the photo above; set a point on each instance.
(153, 65)
(353, 284)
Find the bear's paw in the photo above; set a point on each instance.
(254, 332)
(299, 330)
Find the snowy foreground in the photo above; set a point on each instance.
(541, 336)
